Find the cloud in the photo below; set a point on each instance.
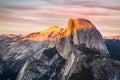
(44, 14)
(33, 14)
(16, 19)
(111, 4)
(95, 4)
(57, 12)
(21, 7)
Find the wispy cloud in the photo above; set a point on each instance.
(113, 4)
(48, 12)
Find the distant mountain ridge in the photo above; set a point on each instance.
(112, 37)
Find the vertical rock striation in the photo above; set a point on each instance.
(80, 31)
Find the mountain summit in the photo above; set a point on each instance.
(75, 25)
(80, 31)
(80, 24)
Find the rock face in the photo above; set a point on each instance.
(80, 31)
(75, 53)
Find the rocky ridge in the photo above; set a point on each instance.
(77, 52)
(117, 37)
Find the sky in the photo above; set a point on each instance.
(28, 16)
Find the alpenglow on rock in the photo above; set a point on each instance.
(80, 31)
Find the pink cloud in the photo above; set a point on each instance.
(94, 4)
(16, 20)
(22, 7)
(99, 14)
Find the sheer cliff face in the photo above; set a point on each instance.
(80, 31)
